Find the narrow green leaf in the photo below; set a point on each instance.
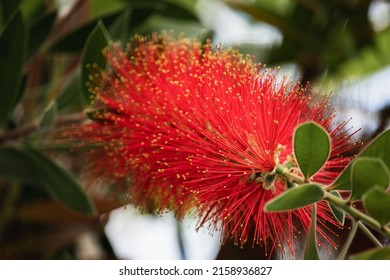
(29, 166)
(296, 197)
(39, 30)
(70, 99)
(311, 251)
(127, 23)
(16, 166)
(337, 213)
(366, 173)
(373, 254)
(93, 55)
(7, 9)
(378, 148)
(176, 10)
(13, 45)
(173, 9)
(120, 28)
(22, 87)
(377, 203)
(60, 184)
(140, 15)
(75, 40)
(49, 115)
(31, 9)
(311, 148)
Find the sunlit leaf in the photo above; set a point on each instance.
(264, 13)
(93, 56)
(378, 148)
(367, 173)
(13, 45)
(311, 250)
(311, 148)
(377, 203)
(296, 197)
(31, 9)
(373, 254)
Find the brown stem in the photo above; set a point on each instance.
(27, 129)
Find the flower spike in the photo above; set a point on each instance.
(200, 130)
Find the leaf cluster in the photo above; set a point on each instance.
(365, 179)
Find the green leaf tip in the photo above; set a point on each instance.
(97, 40)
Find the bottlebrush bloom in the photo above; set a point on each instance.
(192, 128)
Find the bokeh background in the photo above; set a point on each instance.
(341, 46)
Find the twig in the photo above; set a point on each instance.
(342, 204)
(27, 129)
(369, 234)
(348, 242)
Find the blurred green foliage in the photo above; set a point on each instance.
(332, 37)
(43, 52)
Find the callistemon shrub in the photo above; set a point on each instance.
(194, 129)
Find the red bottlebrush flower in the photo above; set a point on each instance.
(196, 127)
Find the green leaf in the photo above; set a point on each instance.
(311, 251)
(31, 9)
(13, 45)
(140, 15)
(373, 254)
(32, 167)
(16, 166)
(49, 115)
(378, 148)
(7, 9)
(311, 148)
(93, 55)
(60, 184)
(173, 9)
(295, 197)
(120, 28)
(70, 98)
(75, 40)
(277, 18)
(127, 23)
(337, 213)
(366, 173)
(377, 203)
(176, 10)
(39, 30)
